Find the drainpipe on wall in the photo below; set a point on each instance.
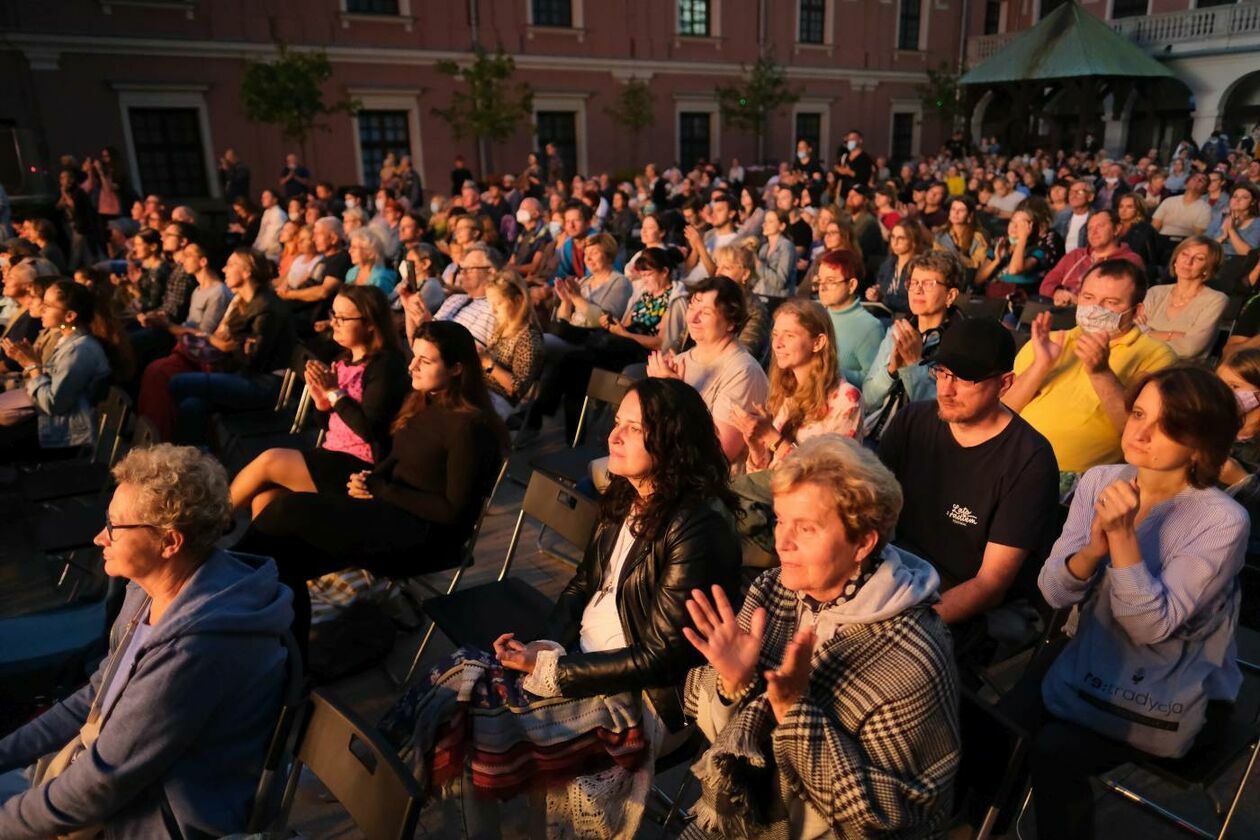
(962, 57)
(472, 22)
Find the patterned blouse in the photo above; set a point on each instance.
(844, 417)
(646, 312)
(522, 355)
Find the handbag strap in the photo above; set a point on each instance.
(111, 668)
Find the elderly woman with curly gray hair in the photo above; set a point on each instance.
(168, 736)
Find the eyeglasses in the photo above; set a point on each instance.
(923, 285)
(343, 319)
(110, 527)
(940, 374)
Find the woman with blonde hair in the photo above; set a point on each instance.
(1184, 314)
(738, 261)
(514, 358)
(367, 253)
(808, 397)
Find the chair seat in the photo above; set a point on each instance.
(569, 465)
(476, 617)
(59, 479)
(1204, 764)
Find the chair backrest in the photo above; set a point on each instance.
(143, 433)
(604, 387)
(553, 505)
(1061, 317)
(294, 704)
(113, 416)
(982, 307)
(360, 769)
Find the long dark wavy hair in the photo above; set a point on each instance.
(687, 458)
(467, 392)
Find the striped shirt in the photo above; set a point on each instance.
(473, 313)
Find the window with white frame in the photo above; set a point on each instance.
(695, 138)
(372, 7)
(552, 13)
(694, 18)
(901, 145)
(809, 128)
(813, 22)
(909, 19)
(169, 154)
(560, 128)
(381, 133)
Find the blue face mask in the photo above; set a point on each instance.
(555, 228)
(851, 145)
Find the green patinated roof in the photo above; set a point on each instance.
(1068, 43)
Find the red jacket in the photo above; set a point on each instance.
(1071, 270)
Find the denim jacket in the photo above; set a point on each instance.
(62, 393)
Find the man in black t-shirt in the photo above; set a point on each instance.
(980, 484)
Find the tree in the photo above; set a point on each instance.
(633, 110)
(942, 95)
(489, 107)
(288, 93)
(748, 104)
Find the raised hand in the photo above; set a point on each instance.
(1094, 351)
(788, 684)
(717, 635)
(666, 365)
(1046, 349)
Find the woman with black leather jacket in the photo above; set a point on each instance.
(585, 713)
(665, 529)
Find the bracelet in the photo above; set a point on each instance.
(730, 699)
(32, 366)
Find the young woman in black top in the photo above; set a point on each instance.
(356, 398)
(419, 504)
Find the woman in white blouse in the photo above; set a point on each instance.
(1185, 314)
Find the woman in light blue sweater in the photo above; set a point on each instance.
(1150, 553)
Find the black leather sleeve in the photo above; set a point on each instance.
(699, 549)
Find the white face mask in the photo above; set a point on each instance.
(1248, 401)
(435, 207)
(523, 217)
(802, 155)
(555, 228)
(1111, 179)
(351, 202)
(1093, 318)
(851, 145)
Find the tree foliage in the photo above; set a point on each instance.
(487, 106)
(748, 104)
(633, 107)
(942, 95)
(288, 92)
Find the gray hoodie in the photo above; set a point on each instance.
(179, 754)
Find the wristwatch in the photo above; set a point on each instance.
(334, 395)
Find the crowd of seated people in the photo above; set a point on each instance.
(926, 368)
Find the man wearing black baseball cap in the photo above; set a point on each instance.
(980, 483)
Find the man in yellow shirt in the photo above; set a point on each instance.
(1070, 385)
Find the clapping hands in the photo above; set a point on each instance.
(666, 365)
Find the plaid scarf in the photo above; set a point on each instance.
(872, 747)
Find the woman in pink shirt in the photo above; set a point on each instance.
(359, 396)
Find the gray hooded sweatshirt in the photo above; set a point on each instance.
(180, 750)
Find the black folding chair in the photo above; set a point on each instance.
(359, 768)
(226, 429)
(268, 797)
(479, 615)
(569, 465)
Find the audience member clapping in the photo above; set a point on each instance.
(831, 697)
(808, 397)
(1150, 553)
(357, 399)
(1070, 385)
(420, 503)
(728, 378)
(896, 376)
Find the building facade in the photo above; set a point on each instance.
(159, 80)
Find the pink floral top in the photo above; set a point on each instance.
(844, 417)
(340, 438)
